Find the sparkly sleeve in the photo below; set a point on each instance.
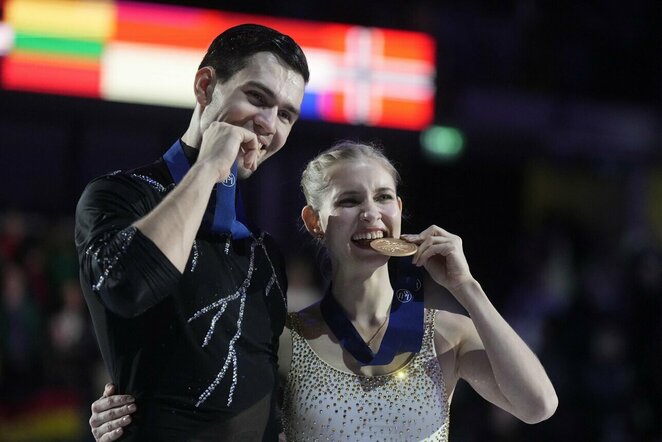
(118, 264)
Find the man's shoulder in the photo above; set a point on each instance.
(267, 238)
(152, 175)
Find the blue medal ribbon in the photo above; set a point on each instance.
(221, 216)
(405, 325)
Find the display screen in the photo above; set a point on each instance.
(148, 53)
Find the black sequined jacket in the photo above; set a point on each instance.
(198, 350)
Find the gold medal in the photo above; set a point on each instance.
(393, 247)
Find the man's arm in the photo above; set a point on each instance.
(119, 266)
(173, 224)
(131, 252)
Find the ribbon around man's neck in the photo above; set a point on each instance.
(221, 216)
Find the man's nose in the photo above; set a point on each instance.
(266, 120)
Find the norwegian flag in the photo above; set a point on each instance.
(371, 76)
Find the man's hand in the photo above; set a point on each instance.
(223, 144)
(110, 413)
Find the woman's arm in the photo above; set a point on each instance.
(490, 355)
(498, 364)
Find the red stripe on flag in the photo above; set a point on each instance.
(404, 114)
(327, 36)
(165, 25)
(409, 45)
(43, 74)
(196, 28)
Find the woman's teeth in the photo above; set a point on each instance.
(368, 235)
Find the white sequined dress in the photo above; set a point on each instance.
(323, 403)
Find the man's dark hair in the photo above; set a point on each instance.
(229, 51)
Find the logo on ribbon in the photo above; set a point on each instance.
(230, 180)
(404, 295)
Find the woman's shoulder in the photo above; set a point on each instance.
(450, 318)
(307, 322)
(312, 312)
(452, 328)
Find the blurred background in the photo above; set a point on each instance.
(542, 150)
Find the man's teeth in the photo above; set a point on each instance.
(368, 235)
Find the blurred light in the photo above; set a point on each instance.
(55, 74)
(167, 68)
(91, 20)
(36, 43)
(108, 48)
(6, 39)
(442, 143)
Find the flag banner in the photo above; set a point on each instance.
(148, 53)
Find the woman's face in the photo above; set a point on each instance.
(359, 205)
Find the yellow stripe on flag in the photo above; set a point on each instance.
(84, 19)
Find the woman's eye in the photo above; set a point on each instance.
(347, 202)
(385, 197)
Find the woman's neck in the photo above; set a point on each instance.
(365, 298)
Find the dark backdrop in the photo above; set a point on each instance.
(557, 195)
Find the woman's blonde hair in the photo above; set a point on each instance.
(315, 178)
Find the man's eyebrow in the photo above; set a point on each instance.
(266, 90)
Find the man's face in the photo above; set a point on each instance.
(265, 97)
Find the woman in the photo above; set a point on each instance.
(350, 373)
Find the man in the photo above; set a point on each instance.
(187, 301)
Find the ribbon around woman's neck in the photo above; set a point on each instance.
(221, 214)
(405, 326)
